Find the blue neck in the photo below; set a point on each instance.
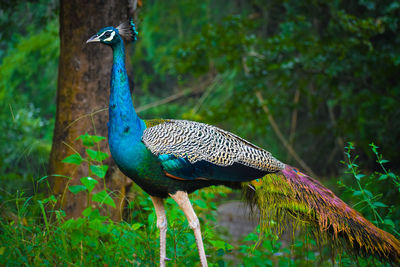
(124, 122)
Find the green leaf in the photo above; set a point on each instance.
(136, 226)
(389, 222)
(100, 171)
(73, 159)
(311, 255)
(373, 146)
(379, 204)
(368, 193)
(96, 155)
(90, 140)
(357, 193)
(103, 197)
(51, 198)
(359, 176)
(91, 213)
(382, 177)
(201, 203)
(89, 183)
(76, 188)
(218, 244)
(86, 212)
(384, 161)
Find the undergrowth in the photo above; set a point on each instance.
(34, 232)
(376, 194)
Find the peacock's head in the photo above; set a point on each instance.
(111, 35)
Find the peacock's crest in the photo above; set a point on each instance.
(128, 31)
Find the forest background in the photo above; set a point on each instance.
(299, 78)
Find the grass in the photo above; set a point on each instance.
(34, 232)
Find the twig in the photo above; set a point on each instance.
(339, 139)
(278, 132)
(214, 84)
(70, 147)
(83, 116)
(294, 119)
(255, 54)
(275, 127)
(12, 113)
(164, 100)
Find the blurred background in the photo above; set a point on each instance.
(298, 78)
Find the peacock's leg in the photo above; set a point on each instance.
(184, 203)
(162, 226)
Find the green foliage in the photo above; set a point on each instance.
(35, 232)
(90, 140)
(100, 171)
(340, 58)
(379, 208)
(89, 183)
(28, 72)
(23, 154)
(94, 239)
(30, 65)
(73, 159)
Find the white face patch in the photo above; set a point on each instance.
(109, 38)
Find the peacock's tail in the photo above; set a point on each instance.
(290, 195)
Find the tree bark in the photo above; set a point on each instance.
(83, 88)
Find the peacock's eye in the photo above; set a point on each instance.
(107, 34)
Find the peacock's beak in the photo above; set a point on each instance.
(93, 39)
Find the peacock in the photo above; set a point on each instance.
(173, 158)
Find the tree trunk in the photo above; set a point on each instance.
(83, 88)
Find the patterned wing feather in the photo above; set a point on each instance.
(198, 141)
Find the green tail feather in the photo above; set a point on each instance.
(291, 196)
